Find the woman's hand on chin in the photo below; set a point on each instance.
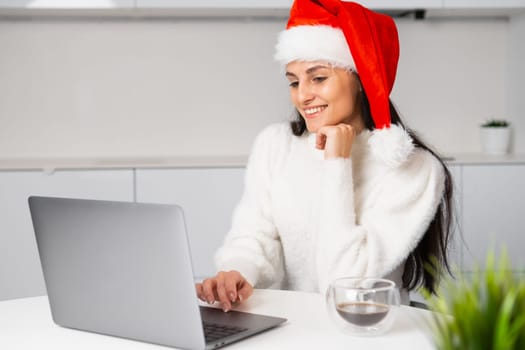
(336, 140)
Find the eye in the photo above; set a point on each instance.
(294, 84)
(319, 79)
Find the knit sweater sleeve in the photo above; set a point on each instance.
(391, 223)
(253, 246)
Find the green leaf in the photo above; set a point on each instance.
(483, 311)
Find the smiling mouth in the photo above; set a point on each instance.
(313, 111)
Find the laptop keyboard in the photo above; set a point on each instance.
(213, 331)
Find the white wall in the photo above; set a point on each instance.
(451, 78)
(206, 87)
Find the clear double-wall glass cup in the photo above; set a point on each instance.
(363, 306)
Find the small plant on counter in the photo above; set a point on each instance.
(485, 311)
(495, 123)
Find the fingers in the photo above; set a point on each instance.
(222, 278)
(320, 141)
(230, 286)
(226, 287)
(336, 140)
(198, 290)
(209, 287)
(245, 290)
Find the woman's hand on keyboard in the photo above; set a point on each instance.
(228, 288)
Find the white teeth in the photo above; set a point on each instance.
(314, 110)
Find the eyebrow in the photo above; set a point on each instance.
(308, 71)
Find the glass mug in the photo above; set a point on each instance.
(363, 306)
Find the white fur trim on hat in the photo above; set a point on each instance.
(314, 43)
(392, 145)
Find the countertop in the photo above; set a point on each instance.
(27, 324)
(50, 164)
(239, 161)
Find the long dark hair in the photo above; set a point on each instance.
(426, 262)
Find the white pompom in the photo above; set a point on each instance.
(391, 145)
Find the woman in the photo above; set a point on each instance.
(345, 189)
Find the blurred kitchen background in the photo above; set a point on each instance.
(160, 101)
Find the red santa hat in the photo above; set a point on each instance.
(348, 35)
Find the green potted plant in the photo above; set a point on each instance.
(484, 311)
(495, 136)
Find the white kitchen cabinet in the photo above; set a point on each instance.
(493, 212)
(208, 197)
(488, 206)
(215, 4)
(232, 8)
(20, 271)
(402, 4)
(483, 4)
(66, 4)
(278, 4)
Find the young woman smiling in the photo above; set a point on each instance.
(344, 189)
(327, 98)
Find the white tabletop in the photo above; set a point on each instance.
(27, 324)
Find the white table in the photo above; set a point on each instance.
(27, 324)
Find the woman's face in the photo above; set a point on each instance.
(324, 95)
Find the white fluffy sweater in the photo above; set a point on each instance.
(304, 221)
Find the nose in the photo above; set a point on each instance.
(305, 93)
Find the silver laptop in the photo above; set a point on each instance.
(124, 269)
